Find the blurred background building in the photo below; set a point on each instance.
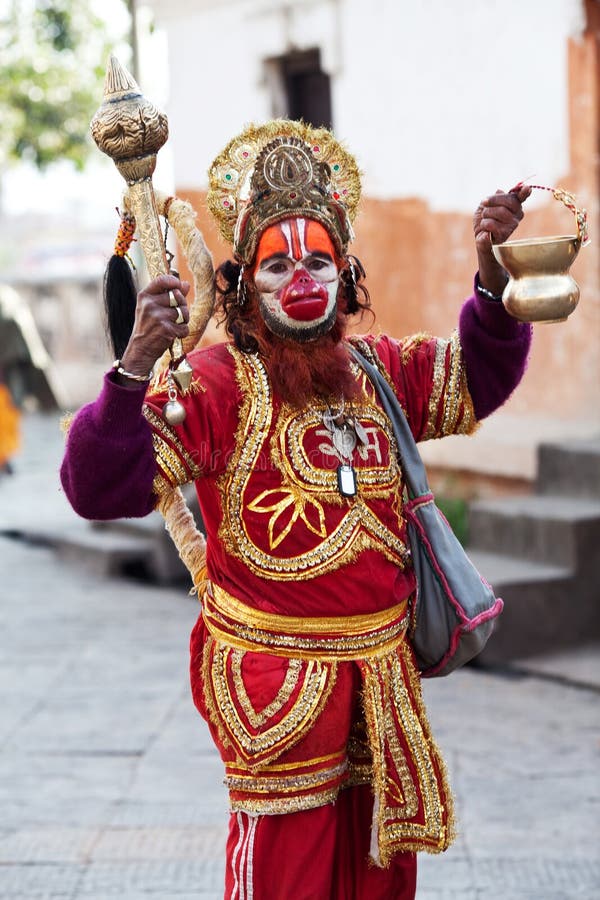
(442, 103)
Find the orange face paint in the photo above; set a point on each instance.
(295, 238)
(317, 239)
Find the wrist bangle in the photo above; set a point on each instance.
(486, 293)
(121, 371)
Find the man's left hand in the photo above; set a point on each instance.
(494, 220)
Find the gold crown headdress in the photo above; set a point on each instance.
(281, 169)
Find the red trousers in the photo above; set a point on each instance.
(317, 854)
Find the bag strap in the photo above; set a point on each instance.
(415, 475)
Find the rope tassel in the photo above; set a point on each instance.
(120, 292)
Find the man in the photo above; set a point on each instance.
(300, 660)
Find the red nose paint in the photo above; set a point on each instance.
(304, 298)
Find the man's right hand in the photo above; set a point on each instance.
(155, 325)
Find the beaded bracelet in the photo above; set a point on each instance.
(125, 234)
(486, 293)
(121, 371)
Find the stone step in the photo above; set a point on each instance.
(505, 571)
(581, 669)
(549, 529)
(545, 610)
(151, 526)
(570, 469)
(106, 553)
(166, 566)
(141, 553)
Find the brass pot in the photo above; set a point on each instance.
(540, 288)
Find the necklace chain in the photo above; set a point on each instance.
(346, 432)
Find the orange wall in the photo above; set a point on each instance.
(420, 263)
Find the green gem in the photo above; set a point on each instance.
(228, 178)
(336, 168)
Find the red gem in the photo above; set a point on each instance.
(225, 202)
(336, 196)
(245, 154)
(316, 149)
(293, 196)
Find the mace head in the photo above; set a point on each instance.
(127, 127)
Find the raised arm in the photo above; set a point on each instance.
(109, 467)
(495, 346)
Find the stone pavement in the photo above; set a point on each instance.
(110, 787)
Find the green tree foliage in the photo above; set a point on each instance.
(52, 60)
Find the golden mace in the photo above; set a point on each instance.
(131, 130)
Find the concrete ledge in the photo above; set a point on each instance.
(570, 469)
(543, 528)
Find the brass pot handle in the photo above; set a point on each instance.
(570, 202)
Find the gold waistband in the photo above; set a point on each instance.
(334, 638)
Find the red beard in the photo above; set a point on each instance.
(300, 372)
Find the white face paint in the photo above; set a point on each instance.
(297, 284)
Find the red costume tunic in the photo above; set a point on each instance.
(299, 659)
(308, 590)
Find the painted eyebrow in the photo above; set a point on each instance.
(319, 255)
(326, 257)
(272, 258)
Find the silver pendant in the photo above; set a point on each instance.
(344, 441)
(361, 434)
(346, 479)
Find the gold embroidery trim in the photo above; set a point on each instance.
(459, 417)
(290, 497)
(161, 486)
(238, 626)
(243, 614)
(279, 805)
(342, 649)
(450, 402)
(437, 388)
(359, 529)
(382, 727)
(284, 693)
(452, 396)
(177, 463)
(318, 681)
(286, 783)
(394, 830)
(408, 345)
(169, 461)
(238, 767)
(358, 774)
(292, 460)
(374, 358)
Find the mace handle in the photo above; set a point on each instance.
(142, 202)
(131, 130)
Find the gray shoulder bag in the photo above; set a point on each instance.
(455, 606)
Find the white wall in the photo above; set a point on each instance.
(441, 100)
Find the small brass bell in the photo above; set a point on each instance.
(540, 288)
(173, 412)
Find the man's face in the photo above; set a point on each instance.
(296, 277)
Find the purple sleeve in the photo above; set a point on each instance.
(495, 349)
(108, 468)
